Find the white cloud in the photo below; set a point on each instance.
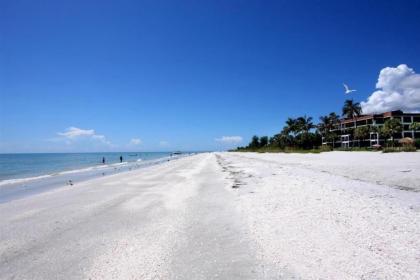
(73, 133)
(102, 139)
(229, 139)
(398, 88)
(135, 141)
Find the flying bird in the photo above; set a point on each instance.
(348, 90)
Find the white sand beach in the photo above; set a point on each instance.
(337, 215)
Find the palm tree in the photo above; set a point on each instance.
(291, 127)
(334, 119)
(361, 133)
(324, 125)
(255, 142)
(305, 124)
(415, 126)
(391, 127)
(328, 124)
(282, 140)
(351, 109)
(263, 141)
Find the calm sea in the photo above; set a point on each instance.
(20, 166)
(23, 175)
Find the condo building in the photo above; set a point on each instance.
(347, 125)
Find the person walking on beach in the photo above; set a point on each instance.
(103, 160)
(121, 158)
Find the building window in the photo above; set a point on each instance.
(416, 119)
(359, 123)
(349, 125)
(398, 135)
(345, 141)
(407, 119)
(407, 134)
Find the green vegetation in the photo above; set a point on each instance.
(296, 136)
(351, 109)
(361, 132)
(390, 128)
(301, 135)
(326, 125)
(355, 149)
(399, 149)
(415, 126)
(417, 143)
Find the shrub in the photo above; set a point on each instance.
(417, 143)
(301, 151)
(390, 150)
(325, 148)
(361, 149)
(409, 148)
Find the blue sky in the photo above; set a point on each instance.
(190, 75)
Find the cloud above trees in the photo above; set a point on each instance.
(229, 139)
(398, 88)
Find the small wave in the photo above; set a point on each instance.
(96, 167)
(28, 179)
(23, 180)
(119, 163)
(138, 162)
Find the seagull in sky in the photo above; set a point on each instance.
(348, 90)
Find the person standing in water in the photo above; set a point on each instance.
(103, 160)
(121, 158)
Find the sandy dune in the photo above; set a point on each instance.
(225, 216)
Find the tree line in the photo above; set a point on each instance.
(302, 133)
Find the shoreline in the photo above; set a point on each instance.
(23, 166)
(11, 189)
(225, 216)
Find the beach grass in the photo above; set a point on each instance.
(323, 149)
(269, 149)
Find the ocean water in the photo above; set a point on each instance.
(24, 166)
(22, 175)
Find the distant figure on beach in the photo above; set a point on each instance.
(103, 160)
(121, 158)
